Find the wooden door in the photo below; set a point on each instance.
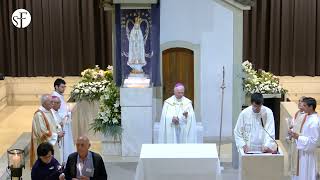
(178, 66)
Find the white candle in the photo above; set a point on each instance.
(16, 161)
(80, 166)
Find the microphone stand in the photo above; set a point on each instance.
(277, 151)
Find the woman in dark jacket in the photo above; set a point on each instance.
(46, 167)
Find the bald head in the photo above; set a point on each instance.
(179, 90)
(83, 145)
(83, 139)
(46, 101)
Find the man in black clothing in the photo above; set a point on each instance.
(84, 164)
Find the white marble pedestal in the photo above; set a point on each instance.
(136, 119)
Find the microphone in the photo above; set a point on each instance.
(262, 123)
(277, 151)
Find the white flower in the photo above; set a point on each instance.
(86, 91)
(102, 114)
(117, 104)
(106, 97)
(115, 121)
(76, 91)
(110, 67)
(94, 90)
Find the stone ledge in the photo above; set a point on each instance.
(3, 103)
(27, 90)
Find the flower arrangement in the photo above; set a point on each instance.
(92, 84)
(108, 120)
(97, 84)
(260, 81)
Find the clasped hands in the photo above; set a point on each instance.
(175, 119)
(293, 134)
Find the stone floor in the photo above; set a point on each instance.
(126, 171)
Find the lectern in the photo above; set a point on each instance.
(265, 166)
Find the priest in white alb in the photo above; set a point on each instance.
(56, 103)
(44, 129)
(65, 115)
(295, 125)
(307, 141)
(178, 122)
(255, 131)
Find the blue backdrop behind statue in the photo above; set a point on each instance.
(150, 27)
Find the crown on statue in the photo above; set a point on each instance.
(137, 20)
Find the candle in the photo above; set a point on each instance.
(16, 161)
(80, 166)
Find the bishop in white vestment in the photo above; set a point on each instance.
(44, 129)
(253, 122)
(178, 122)
(65, 115)
(307, 141)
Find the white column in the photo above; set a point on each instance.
(136, 119)
(237, 93)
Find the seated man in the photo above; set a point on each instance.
(84, 164)
(46, 167)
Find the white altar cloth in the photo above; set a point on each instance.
(178, 162)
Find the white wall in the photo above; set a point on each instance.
(185, 20)
(216, 52)
(208, 25)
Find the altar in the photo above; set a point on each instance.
(178, 162)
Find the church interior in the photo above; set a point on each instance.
(127, 58)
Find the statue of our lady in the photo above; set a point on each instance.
(136, 48)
